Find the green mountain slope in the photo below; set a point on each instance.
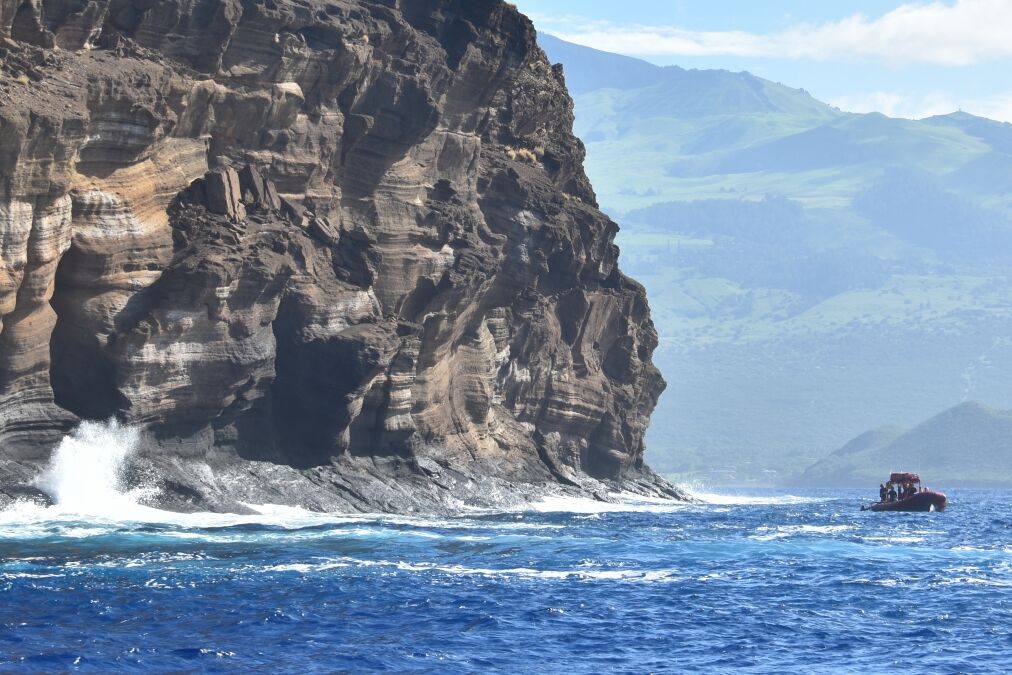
(696, 134)
(969, 444)
(812, 273)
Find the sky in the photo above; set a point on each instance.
(901, 58)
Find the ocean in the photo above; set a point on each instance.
(754, 582)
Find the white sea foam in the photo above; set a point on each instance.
(706, 494)
(750, 500)
(85, 479)
(975, 581)
(28, 521)
(86, 482)
(765, 533)
(85, 472)
(897, 539)
(624, 502)
(581, 573)
(307, 568)
(103, 507)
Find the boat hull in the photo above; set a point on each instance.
(927, 500)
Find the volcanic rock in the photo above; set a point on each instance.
(223, 194)
(337, 253)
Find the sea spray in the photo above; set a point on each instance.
(624, 502)
(736, 497)
(85, 473)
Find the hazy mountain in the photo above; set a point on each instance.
(969, 444)
(738, 134)
(812, 272)
(655, 91)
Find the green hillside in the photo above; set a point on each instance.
(812, 273)
(969, 444)
(662, 134)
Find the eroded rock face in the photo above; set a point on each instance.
(340, 244)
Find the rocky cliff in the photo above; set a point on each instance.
(338, 253)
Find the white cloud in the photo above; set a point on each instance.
(994, 107)
(895, 104)
(960, 33)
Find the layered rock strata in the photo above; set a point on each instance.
(341, 254)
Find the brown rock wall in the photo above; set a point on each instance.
(312, 234)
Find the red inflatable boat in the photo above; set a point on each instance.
(922, 500)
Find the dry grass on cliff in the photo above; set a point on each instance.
(525, 155)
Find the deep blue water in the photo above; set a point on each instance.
(802, 583)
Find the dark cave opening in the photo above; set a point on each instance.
(83, 376)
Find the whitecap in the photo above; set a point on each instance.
(754, 500)
(578, 574)
(765, 533)
(896, 539)
(624, 503)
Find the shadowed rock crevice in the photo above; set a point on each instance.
(82, 376)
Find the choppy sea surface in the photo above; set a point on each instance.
(759, 582)
(762, 581)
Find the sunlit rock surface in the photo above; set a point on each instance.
(341, 254)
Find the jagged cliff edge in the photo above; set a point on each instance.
(338, 254)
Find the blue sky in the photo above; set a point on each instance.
(905, 59)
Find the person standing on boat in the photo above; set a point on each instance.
(883, 492)
(892, 492)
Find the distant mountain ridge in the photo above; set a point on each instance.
(970, 444)
(706, 91)
(714, 123)
(598, 69)
(811, 271)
